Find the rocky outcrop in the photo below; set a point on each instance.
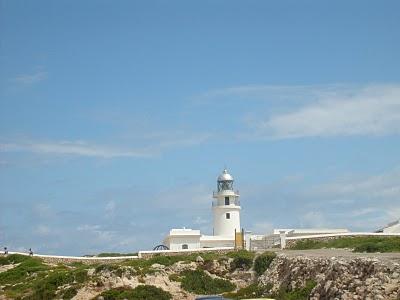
(127, 277)
(334, 278)
(160, 276)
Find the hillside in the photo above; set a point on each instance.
(237, 275)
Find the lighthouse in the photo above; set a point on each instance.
(226, 207)
(226, 221)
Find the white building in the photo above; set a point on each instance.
(226, 221)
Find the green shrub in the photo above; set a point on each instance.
(242, 259)
(143, 265)
(367, 247)
(262, 262)
(142, 292)
(47, 287)
(307, 244)
(32, 280)
(251, 291)
(113, 268)
(200, 283)
(68, 293)
(241, 253)
(175, 277)
(297, 294)
(13, 259)
(80, 275)
(20, 272)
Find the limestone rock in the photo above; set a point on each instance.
(199, 259)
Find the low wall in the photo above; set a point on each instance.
(291, 241)
(57, 259)
(149, 254)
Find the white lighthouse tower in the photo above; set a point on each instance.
(226, 207)
(226, 215)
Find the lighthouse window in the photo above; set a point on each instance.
(228, 215)
(226, 200)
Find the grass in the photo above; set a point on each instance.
(13, 259)
(242, 259)
(358, 244)
(25, 268)
(68, 293)
(297, 294)
(47, 287)
(142, 292)
(262, 262)
(175, 277)
(200, 283)
(251, 291)
(33, 280)
(143, 266)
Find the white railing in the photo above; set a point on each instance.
(229, 193)
(233, 202)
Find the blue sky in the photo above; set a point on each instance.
(116, 117)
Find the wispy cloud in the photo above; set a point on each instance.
(276, 93)
(32, 78)
(359, 201)
(142, 146)
(71, 148)
(370, 110)
(298, 111)
(382, 186)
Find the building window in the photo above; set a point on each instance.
(226, 200)
(228, 215)
(185, 246)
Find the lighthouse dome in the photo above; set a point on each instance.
(225, 176)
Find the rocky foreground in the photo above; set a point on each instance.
(282, 276)
(335, 277)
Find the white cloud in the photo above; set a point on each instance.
(42, 230)
(110, 209)
(314, 219)
(139, 146)
(381, 186)
(72, 148)
(262, 227)
(272, 92)
(28, 79)
(101, 234)
(88, 227)
(368, 110)
(359, 201)
(43, 210)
